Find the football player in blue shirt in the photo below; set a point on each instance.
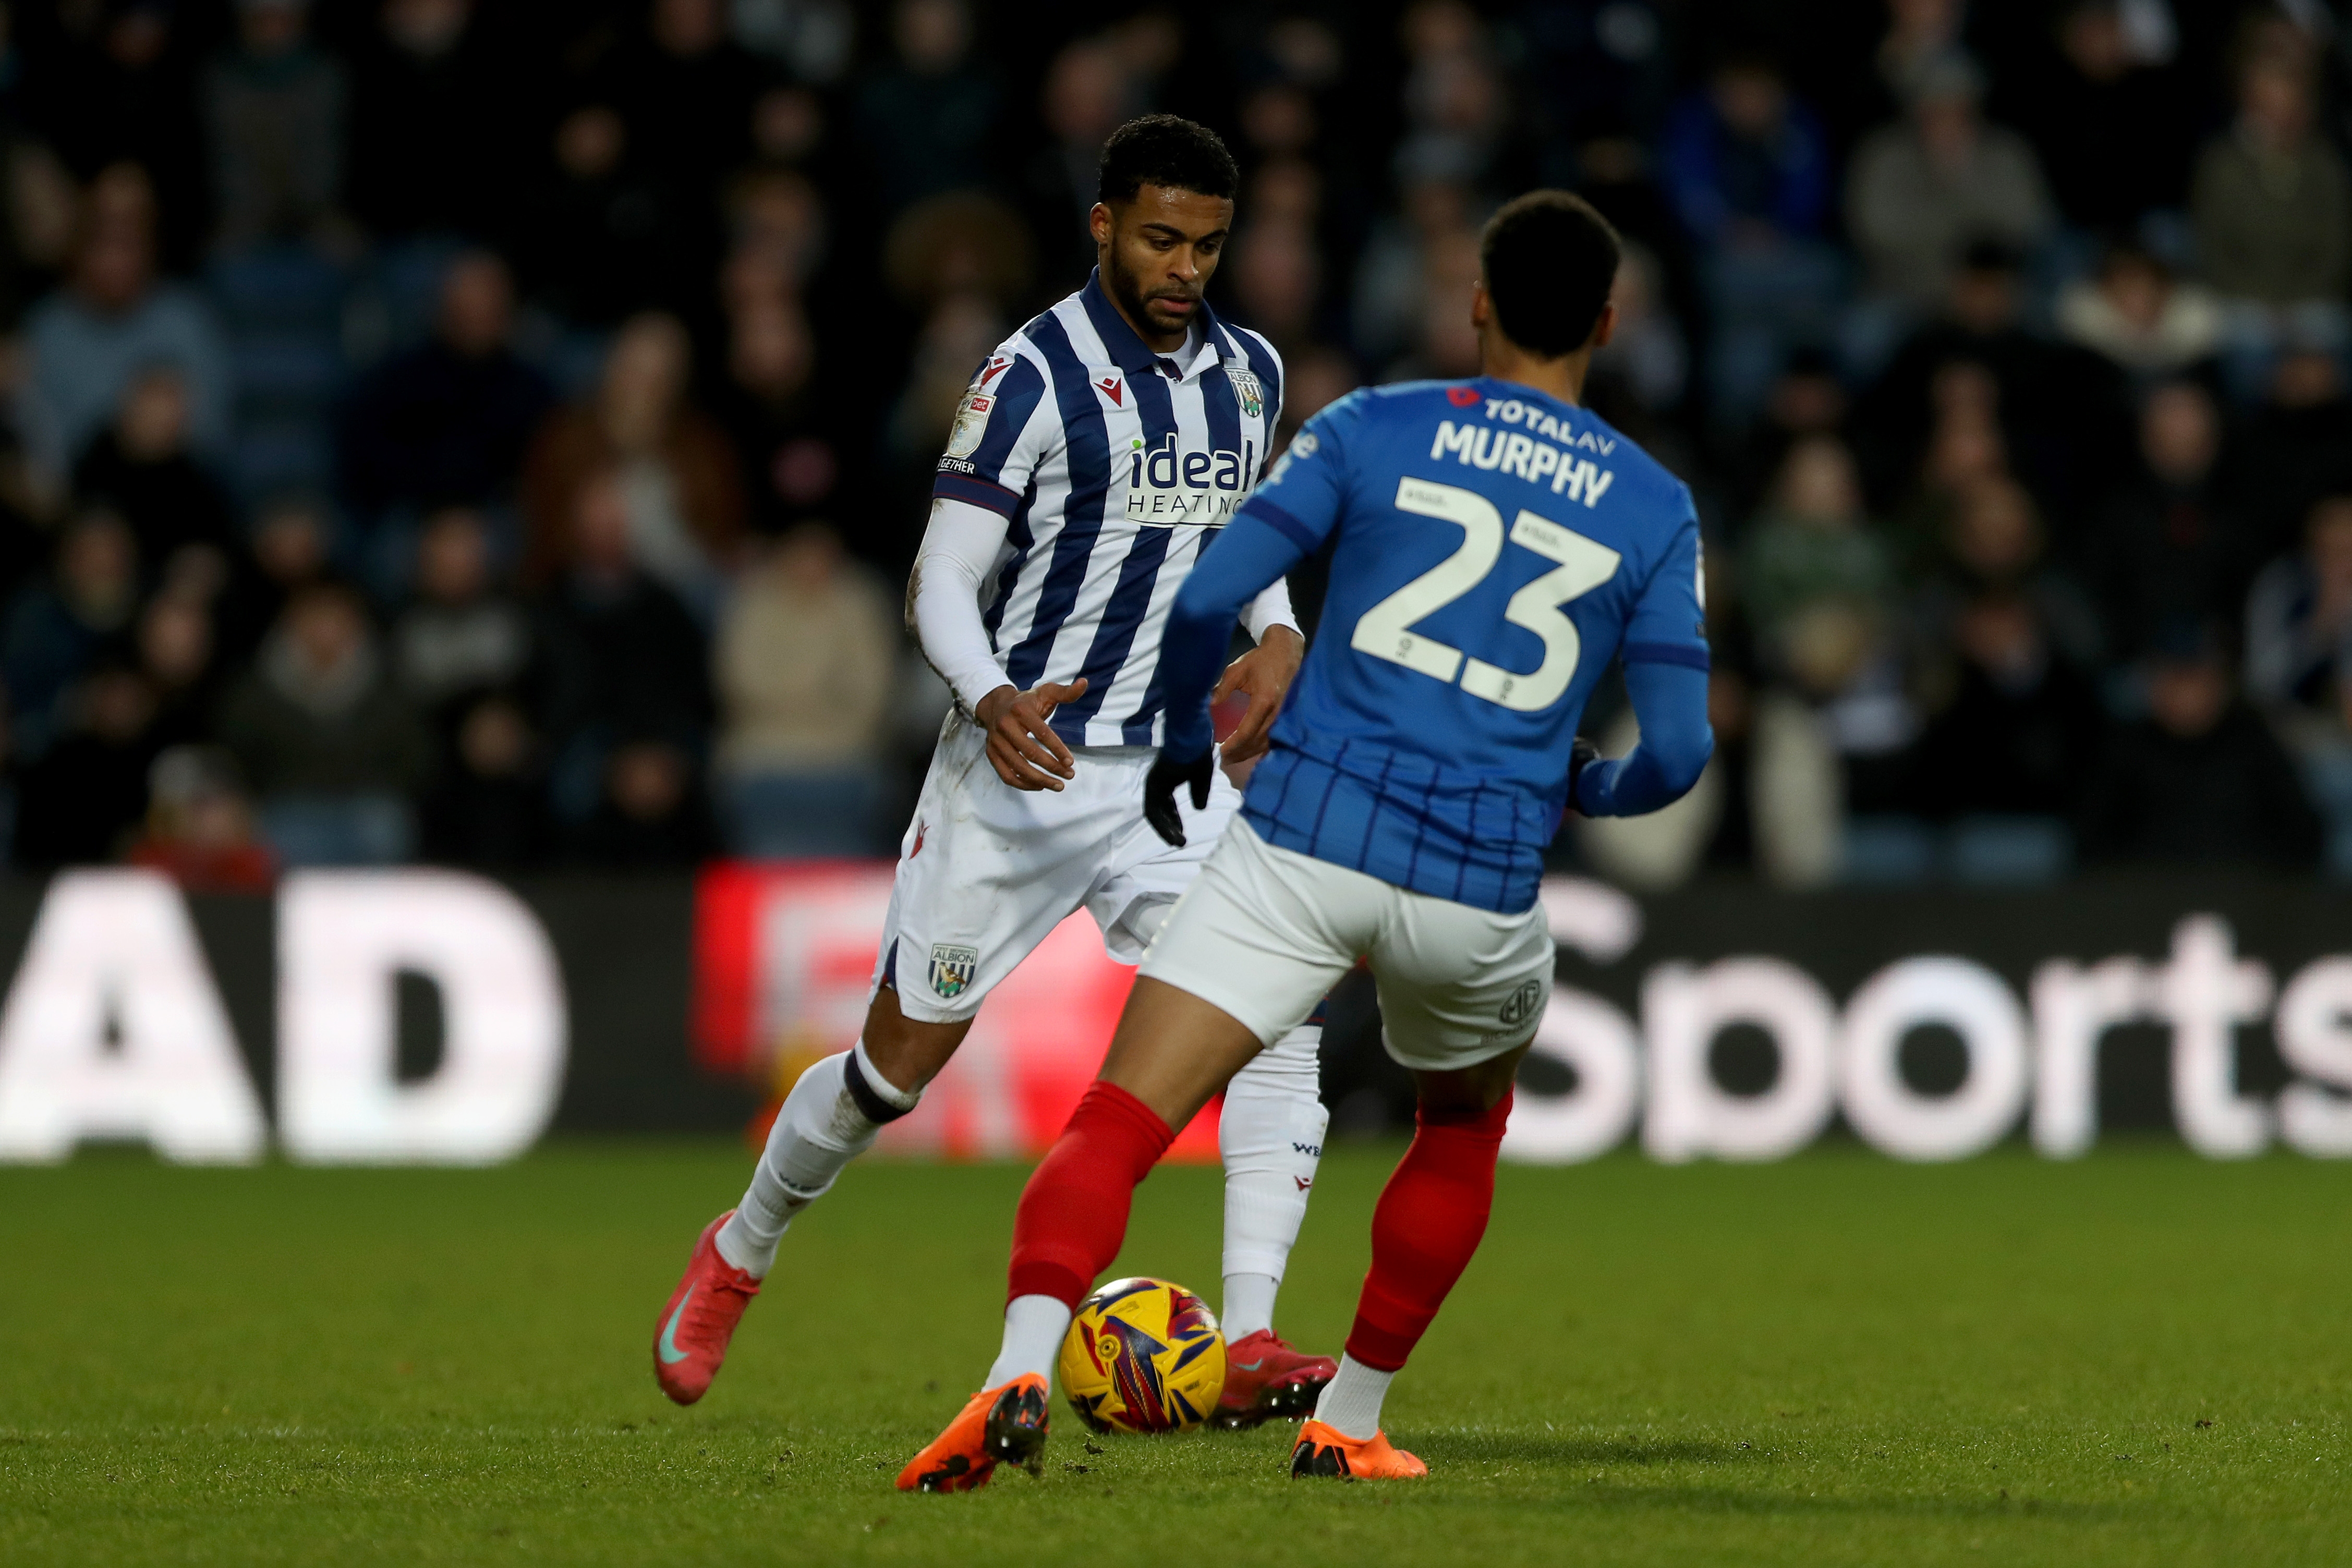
(1497, 547)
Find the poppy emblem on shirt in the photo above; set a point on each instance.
(1111, 387)
(1462, 397)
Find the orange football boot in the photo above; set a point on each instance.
(1001, 1426)
(1326, 1451)
(1265, 1380)
(691, 1340)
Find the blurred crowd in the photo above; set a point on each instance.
(496, 434)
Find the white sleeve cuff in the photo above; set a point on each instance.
(957, 557)
(1270, 609)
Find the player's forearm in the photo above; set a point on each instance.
(1670, 702)
(943, 599)
(1191, 652)
(1246, 560)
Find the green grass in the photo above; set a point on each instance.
(2142, 1358)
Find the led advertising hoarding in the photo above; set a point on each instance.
(1728, 1023)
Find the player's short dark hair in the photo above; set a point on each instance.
(1550, 261)
(1166, 150)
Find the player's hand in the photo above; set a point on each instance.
(1026, 753)
(1580, 755)
(1160, 793)
(1264, 675)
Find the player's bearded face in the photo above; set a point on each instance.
(1158, 253)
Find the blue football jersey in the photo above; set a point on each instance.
(1495, 550)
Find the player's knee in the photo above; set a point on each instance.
(909, 1052)
(1468, 1097)
(1271, 1125)
(1286, 1073)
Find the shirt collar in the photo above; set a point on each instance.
(1127, 351)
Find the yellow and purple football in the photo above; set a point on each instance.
(1143, 1355)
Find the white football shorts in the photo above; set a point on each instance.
(1266, 932)
(986, 871)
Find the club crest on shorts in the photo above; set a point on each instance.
(1517, 1007)
(1247, 388)
(952, 969)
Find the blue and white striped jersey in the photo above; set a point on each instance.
(1113, 467)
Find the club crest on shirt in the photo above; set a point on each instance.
(971, 423)
(952, 969)
(1252, 394)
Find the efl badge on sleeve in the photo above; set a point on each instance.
(971, 423)
(1247, 388)
(952, 969)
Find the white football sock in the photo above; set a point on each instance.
(827, 1120)
(1249, 1305)
(1351, 1402)
(1034, 1329)
(1271, 1136)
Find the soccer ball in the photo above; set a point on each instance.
(1143, 1355)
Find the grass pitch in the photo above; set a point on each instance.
(2142, 1358)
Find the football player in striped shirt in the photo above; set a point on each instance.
(1094, 457)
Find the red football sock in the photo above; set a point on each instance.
(1073, 1213)
(1430, 1220)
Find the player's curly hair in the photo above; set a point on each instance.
(1551, 261)
(1166, 150)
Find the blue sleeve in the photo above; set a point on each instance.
(1670, 701)
(1286, 519)
(1668, 625)
(1308, 487)
(1665, 657)
(1247, 557)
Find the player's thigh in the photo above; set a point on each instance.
(1144, 875)
(985, 872)
(1262, 933)
(1459, 985)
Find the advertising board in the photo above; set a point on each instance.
(436, 1017)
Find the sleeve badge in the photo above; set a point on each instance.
(971, 423)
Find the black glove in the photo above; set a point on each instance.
(1580, 755)
(1160, 792)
